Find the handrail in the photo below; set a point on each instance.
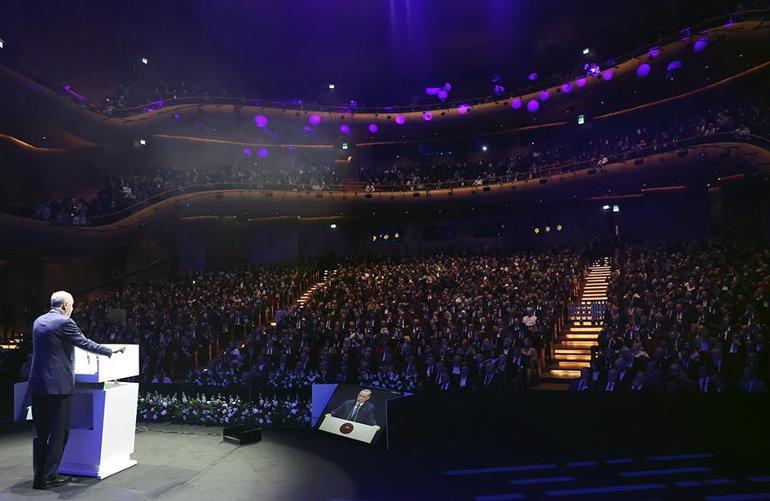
(701, 27)
(540, 173)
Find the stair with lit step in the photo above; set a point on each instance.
(306, 296)
(572, 351)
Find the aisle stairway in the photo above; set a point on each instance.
(572, 351)
(306, 296)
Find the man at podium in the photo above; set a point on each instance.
(359, 410)
(52, 384)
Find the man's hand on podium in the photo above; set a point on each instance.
(119, 350)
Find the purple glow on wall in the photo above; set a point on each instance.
(177, 116)
(262, 152)
(499, 89)
(442, 94)
(643, 70)
(566, 87)
(427, 116)
(432, 91)
(79, 97)
(291, 147)
(700, 44)
(533, 105)
(314, 119)
(373, 128)
(544, 95)
(447, 86)
(307, 128)
(247, 152)
(608, 74)
(653, 53)
(463, 109)
(400, 119)
(345, 128)
(516, 103)
(581, 82)
(261, 121)
(674, 65)
(532, 77)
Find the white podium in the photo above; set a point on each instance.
(350, 429)
(101, 438)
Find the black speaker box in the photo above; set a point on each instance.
(242, 435)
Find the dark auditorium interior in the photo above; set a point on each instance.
(522, 244)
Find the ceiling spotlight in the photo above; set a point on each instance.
(586, 51)
(537, 230)
(145, 60)
(484, 148)
(331, 86)
(2, 44)
(333, 226)
(559, 227)
(606, 207)
(143, 142)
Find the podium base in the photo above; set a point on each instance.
(96, 471)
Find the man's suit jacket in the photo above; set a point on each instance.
(365, 414)
(54, 338)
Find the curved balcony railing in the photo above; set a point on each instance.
(64, 90)
(357, 188)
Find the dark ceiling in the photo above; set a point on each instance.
(378, 52)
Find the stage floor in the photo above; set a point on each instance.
(178, 462)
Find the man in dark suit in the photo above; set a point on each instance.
(52, 383)
(359, 410)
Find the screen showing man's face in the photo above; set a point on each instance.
(363, 396)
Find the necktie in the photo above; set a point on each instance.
(354, 412)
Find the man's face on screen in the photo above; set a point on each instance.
(363, 396)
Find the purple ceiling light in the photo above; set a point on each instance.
(516, 103)
(653, 53)
(608, 74)
(314, 119)
(643, 70)
(262, 152)
(700, 44)
(674, 65)
(432, 91)
(447, 86)
(581, 82)
(345, 128)
(427, 116)
(566, 87)
(261, 121)
(400, 119)
(247, 152)
(544, 95)
(443, 94)
(533, 105)
(307, 128)
(532, 77)
(499, 89)
(373, 128)
(463, 109)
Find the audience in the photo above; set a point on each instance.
(685, 318)
(570, 151)
(435, 323)
(173, 318)
(565, 149)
